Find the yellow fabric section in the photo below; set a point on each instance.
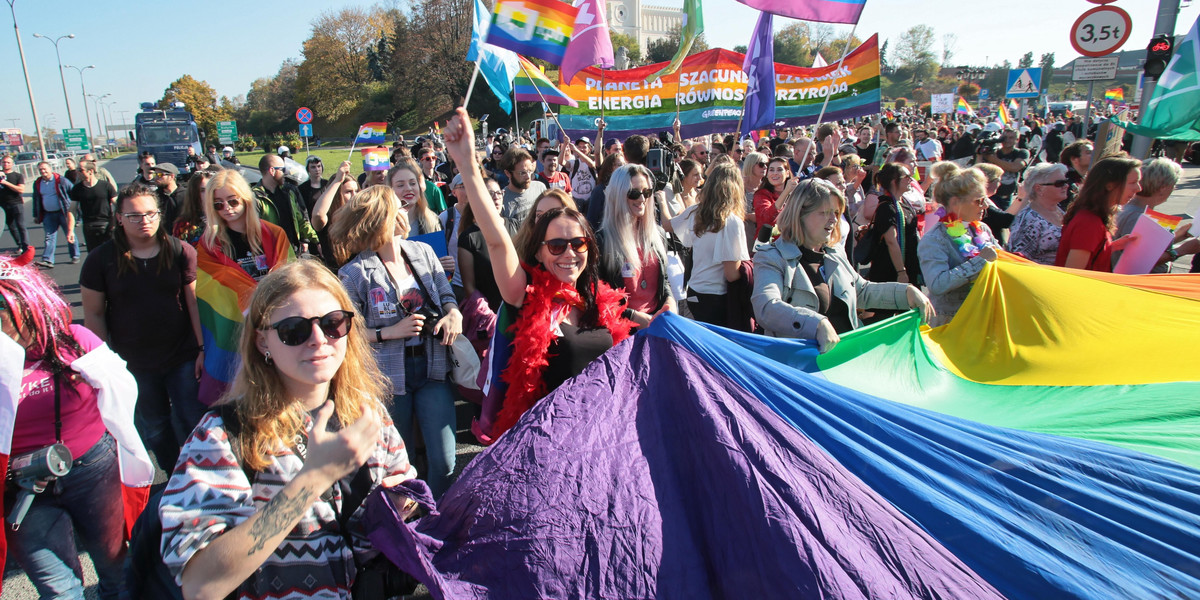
(1025, 324)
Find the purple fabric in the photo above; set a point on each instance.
(826, 11)
(760, 87)
(680, 485)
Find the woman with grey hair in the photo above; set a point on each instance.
(1159, 177)
(1036, 230)
(804, 286)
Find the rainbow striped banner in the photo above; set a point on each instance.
(530, 80)
(539, 28)
(375, 159)
(962, 108)
(1170, 222)
(708, 91)
(223, 293)
(1115, 95)
(1002, 115)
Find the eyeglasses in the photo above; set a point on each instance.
(557, 246)
(496, 193)
(761, 164)
(635, 194)
(139, 217)
(232, 202)
(1061, 183)
(294, 331)
(284, 169)
(429, 159)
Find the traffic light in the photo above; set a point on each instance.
(1158, 55)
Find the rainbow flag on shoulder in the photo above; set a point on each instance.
(530, 80)
(962, 108)
(540, 28)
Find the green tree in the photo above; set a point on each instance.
(336, 67)
(883, 56)
(1047, 65)
(791, 45)
(200, 99)
(270, 102)
(632, 49)
(664, 49)
(1026, 61)
(915, 52)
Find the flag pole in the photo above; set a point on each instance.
(354, 143)
(471, 86)
(539, 91)
(849, 40)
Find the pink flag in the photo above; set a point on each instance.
(589, 43)
(825, 11)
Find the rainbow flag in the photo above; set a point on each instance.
(1115, 95)
(530, 81)
(376, 159)
(1170, 222)
(223, 292)
(540, 28)
(371, 133)
(1002, 115)
(1013, 106)
(962, 108)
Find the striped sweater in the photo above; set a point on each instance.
(209, 493)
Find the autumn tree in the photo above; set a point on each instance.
(200, 99)
(663, 50)
(335, 72)
(271, 102)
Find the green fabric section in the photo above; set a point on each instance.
(890, 360)
(225, 333)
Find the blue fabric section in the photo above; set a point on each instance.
(1038, 516)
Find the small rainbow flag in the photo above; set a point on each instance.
(1013, 106)
(1115, 95)
(1002, 115)
(437, 129)
(530, 80)
(539, 28)
(375, 159)
(962, 108)
(371, 133)
(1170, 222)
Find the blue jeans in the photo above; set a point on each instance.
(431, 403)
(86, 502)
(167, 409)
(52, 222)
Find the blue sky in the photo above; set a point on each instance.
(140, 46)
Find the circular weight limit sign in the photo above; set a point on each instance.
(304, 115)
(1100, 31)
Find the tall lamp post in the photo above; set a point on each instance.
(84, 88)
(37, 125)
(96, 99)
(61, 76)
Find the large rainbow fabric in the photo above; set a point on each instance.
(540, 28)
(223, 292)
(530, 81)
(962, 108)
(1035, 447)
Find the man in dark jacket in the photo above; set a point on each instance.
(52, 210)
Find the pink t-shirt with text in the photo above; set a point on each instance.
(34, 427)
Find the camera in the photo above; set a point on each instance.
(986, 143)
(661, 163)
(431, 318)
(31, 472)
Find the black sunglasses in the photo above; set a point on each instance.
(635, 194)
(294, 331)
(557, 246)
(1061, 183)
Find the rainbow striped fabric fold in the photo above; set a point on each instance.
(962, 108)
(540, 28)
(1002, 115)
(530, 81)
(223, 293)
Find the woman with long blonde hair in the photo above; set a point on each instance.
(713, 230)
(235, 252)
(633, 248)
(406, 300)
(305, 421)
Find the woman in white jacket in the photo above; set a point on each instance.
(804, 286)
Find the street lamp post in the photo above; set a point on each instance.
(84, 88)
(96, 100)
(37, 125)
(61, 76)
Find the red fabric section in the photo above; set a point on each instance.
(134, 499)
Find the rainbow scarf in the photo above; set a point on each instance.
(223, 292)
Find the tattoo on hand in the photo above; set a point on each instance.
(279, 515)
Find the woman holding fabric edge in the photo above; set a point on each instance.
(805, 287)
(956, 248)
(397, 285)
(567, 317)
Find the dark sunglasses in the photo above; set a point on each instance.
(635, 194)
(1061, 183)
(294, 331)
(557, 246)
(232, 202)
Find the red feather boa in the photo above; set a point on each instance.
(534, 334)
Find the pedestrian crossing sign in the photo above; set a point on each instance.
(1023, 83)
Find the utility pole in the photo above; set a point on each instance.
(37, 125)
(1164, 24)
(84, 88)
(61, 76)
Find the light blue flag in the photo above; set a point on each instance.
(498, 66)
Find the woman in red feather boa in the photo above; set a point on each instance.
(567, 316)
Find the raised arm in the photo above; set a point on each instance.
(320, 212)
(506, 265)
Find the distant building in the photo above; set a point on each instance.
(645, 22)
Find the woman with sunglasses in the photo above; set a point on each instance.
(754, 171)
(562, 315)
(70, 391)
(189, 225)
(235, 252)
(1088, 226)
(310, 427)
(893, 231)
(633, 248)
(955, 249)
(336, 193)
(408, 305)
(804, 286)
(494, 165)
(1037, 228)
